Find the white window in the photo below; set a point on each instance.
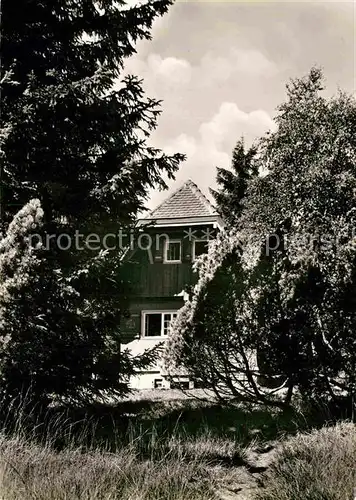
(157, 323)
(199, 247)
(172, 251)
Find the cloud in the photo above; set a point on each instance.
(213, 144)
(183, 143)
(230, 122)
(199, 118)
(222, 131)
(157, 71)
(174, 70)
(246, 63)
(221, 70)
(177, 72)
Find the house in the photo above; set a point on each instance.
(170, 238)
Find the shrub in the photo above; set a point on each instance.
(275, 296)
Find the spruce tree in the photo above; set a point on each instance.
(233, 183)
(74, 137)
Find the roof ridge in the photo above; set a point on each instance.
(202, 196)
(187, 191)
(166, 199)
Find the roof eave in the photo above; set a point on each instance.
(183, 221)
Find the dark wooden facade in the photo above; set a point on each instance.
(157, 285)
(160, 285)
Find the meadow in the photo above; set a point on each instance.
(169, 446)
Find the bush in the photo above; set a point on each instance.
(315, 466)
(272, 315)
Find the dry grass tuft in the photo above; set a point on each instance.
(320, 465)
(190, 453)
(33, 472)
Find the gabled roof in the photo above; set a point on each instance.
(186, 205)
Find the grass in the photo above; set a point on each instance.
(28, 471)
(171, 450)
(58, 458)
(320, 465)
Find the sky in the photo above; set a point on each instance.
(221, 69)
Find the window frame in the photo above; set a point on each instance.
(198, 240)
(165, 251)
(154, 311)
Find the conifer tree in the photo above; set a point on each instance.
(74, 138)
(233, 182)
